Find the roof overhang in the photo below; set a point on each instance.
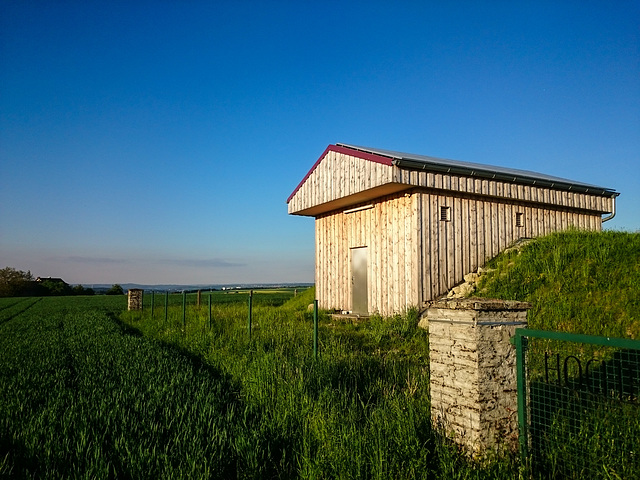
(351, 200)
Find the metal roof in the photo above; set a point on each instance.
(423, 162)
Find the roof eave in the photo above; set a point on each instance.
(493, 175)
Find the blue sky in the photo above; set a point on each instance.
(157, 142)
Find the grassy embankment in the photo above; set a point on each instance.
(577, 282)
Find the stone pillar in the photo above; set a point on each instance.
(473, 370)
(135, 299)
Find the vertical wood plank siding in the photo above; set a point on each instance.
(389, 230)
(494, 223)
(337, 176)
(415, 257)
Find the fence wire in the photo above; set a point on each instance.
(581, 402)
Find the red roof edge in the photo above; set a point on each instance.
(347, 151)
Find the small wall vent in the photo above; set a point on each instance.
(519, 219)
(445, 214)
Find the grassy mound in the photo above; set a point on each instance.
(302, 300)
(578, 282)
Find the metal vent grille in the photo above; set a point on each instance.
(445, 214)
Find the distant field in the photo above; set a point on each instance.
(267, 296)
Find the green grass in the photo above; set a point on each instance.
(313, 419)
(90, 391)
(83, 398)
(588, 437)
(577, 282)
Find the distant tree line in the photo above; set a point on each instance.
(16, 283)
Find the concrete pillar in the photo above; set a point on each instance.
(473, 370)
(135, 299)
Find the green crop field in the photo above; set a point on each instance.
(264, 296)
(88, 390)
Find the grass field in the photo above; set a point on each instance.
(263, 296)
(90, 391)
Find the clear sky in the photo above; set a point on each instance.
(157, 141)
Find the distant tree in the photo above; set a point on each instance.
(80, 290)
(56, 286)
(14, 282)
(115, 290)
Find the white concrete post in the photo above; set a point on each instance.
(473, 370)
(134, 297)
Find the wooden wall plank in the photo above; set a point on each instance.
(473, 235)
(449, 259)
(384, 257)
(509, 220)
(436, 233)
(457, 252)
(417, 232)
(481, 226)
(381, 257)
(333, 264)
(395, 261)
(344, 284)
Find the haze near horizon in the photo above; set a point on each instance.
(157, 142)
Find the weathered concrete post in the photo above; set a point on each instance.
(473, 370)
(135, 299)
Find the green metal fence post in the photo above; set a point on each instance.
(315, 329)
(210, 310)
(166, 306)
(152, 302)
(184, 311)
(521, 355)
(250, 305)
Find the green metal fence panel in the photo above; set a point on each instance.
(579, 405)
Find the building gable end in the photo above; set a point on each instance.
(341, 175)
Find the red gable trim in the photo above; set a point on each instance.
(347, 151)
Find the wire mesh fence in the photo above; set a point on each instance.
(579, 405)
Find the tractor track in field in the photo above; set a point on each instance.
(13, 315)
(17, 302)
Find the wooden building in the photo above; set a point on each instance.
(395, 230)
